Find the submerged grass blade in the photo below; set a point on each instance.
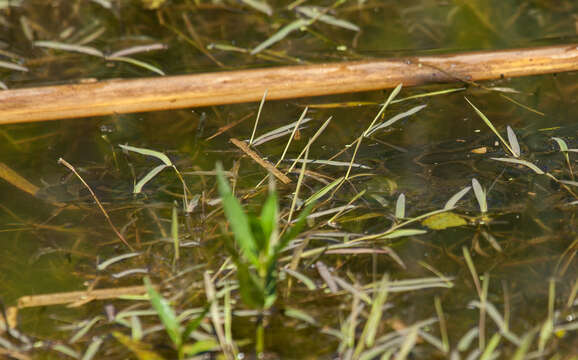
(319, 194)
(491, 126)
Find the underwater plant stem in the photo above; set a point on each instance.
(110, 97)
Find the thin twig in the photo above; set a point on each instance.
(71, 168)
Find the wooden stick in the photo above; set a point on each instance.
(174, 92)
(74, 296)
(259, 160)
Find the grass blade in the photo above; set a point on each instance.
(395, 119)
(165, 313)
(480, 195)
(327, 188)
(157, 154)
(456, 197)
(138, 63)
(259, 5)
(528, 164)
(513, 141)
(491, 126)
(69, 47)
(313, 12)
(237, 218)
(400, 207)
(391, 96)
(12, 66)
(148, 177)
(175, 232)
(281, 34)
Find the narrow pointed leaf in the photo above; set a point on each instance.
(237, 218)
(159, 155)
(281, 34)
(480, 195)
(148, 177)
(457, 197)
(528, 164)
(400, 206)
(138, 63)
(69, 47)
(165, 313)
(513, 141)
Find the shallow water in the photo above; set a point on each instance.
(428, 157)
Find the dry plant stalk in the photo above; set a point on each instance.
(174, 92)
(76, 296)
(259, 160)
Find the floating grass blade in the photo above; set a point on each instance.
(400, 207)
(12, 66)
(281, 34)
(313, 12)
(103, 265)
(148, 177)
(138, 63)
(395, 119)
(403, 232)
(514, 144)
(428, 94)
(258, 117)
(138, 49)
(391, 96)
(491, 126)
(319, 194)
(281, 131)
(564, 149)
(456, 197)
(528, 164)
(157, 154)
(480, 196)
(69, 47)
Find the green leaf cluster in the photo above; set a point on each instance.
(259, 243)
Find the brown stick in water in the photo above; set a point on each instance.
(174, 92)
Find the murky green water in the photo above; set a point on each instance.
(428, 157)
